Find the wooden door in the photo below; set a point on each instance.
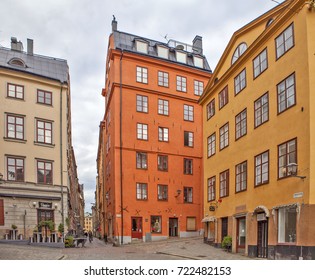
(136, 227)
(262, 239)
(173, 227)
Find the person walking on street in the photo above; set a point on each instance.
(90, 236)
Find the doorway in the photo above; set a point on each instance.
(241, 235)
(262, 239)
(224, 228)
(136, 227)
(173, 227)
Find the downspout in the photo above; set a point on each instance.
(120, 147)
(61, 161)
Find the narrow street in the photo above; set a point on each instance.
(172, 249)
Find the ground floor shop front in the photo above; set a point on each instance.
(27, 213)
(281, 232)
(150, 227)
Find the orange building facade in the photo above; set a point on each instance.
(149, 160)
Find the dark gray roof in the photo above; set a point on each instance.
(126, 42)
(48, 67)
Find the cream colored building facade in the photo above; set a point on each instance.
(88, 222)
(35, 140)
(259, 124)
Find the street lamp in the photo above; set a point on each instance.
(292, 170)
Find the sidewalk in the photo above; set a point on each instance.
(189, 248)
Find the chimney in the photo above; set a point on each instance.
(114, 24)
(16, 45)
(197, 44)
(30, 46)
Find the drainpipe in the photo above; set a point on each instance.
(120, 135)
(61, 160)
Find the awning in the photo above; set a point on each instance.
(209, 219)
(292, 205)
(264, 208)
(286, 206)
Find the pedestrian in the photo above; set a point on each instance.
(90, 236)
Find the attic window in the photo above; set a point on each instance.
(241, 48)
(17, 62)
(181, 57)
(198, 61)
(142, 47)
(162, 52)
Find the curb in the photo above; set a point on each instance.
(176, 255)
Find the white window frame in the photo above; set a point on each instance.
(142, 75)
(198, 88)
(142, 131)
(181, 83)
(188, 113)
(142, 103)
(163, 107)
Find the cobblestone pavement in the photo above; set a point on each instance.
(171, 249)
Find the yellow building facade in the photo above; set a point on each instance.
(259, 136)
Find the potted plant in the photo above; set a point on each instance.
(69, 241)
(61, 228)
(227, 243)
(14, 227)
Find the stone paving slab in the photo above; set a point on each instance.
(171, 249)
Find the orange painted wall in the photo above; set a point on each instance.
(174, 148)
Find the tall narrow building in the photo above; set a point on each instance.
(38, 180)
(150, 150)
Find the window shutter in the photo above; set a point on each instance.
(191, 223)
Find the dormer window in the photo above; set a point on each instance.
(241, 48)
(198, 61)
(17, 62)
(162, 52)
(181, 57)
(142, 47)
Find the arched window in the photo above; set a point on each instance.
(17, 62)
(241, 48)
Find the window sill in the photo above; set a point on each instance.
(14, 140)
(44, 144)
(287, 244)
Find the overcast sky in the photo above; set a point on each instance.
(78, 30)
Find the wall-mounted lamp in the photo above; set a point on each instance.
(107, 196)
(215, 204)
(1, 178)
(292, 169)
(34, 204)
(56, 205)
(178, 192)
